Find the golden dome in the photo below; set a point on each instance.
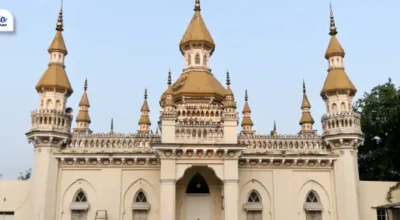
(55, 77)
(334, 48)
(197, 32)
(306, 118)
(247, 121)
(337, 80)
(84, 99)
(83, 116)
(144, 120)
(198, 84)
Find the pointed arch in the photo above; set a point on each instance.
(140, 197)
(73, 202)
(319, 202)
(254, 207)
(130, 195)
(197, 185)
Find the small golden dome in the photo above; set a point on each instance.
(337, 80)
(334, 48)
(84, 99)
(83, 116)
(247, 121)
(306, 118)
(197, 32)
(305, 103)
(246, 107)
(144, 120)
(55, 77)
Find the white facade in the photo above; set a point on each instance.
(198, 168)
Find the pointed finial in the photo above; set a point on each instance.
(112, 124)
(169, 78)
(274, 125)
(246, 97)
(85, 86)
(304, 87)
(145, 93)
(333, 30)
(60, 23)
(228, 80)
(157, 130)
(197, 5)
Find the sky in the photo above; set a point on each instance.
(123, 46)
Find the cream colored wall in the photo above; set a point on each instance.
(111, 189)
(372, 194)
(283, 191)
(15, 197)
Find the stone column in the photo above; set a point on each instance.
(167, 190)
(231, 190)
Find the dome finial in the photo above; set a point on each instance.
(333, 30)
(60, 23)
(197, 6)
(169, 78)
(85, 86)
(246, 97)
(145, 93)
(304, 86)
(228, 80)
(274, 125)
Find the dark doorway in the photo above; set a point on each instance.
(197, 185)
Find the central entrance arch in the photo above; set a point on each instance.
(198, 195)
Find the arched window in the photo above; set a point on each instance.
(79, 206)
(140, 206)
(253, 197)
(253, 206)
(313, 206)
(342, 107)
(205, 60)
(197, 59)
(189, 59)
(334, 108)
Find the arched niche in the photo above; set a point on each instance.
(130, 195)
(197, 185)
(217, 168)
(265, 199)
(313, 186)
(69, 196)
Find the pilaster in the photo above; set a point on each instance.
(168, 190)
(231, 190)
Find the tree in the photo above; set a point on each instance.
(26, 175)
(379, 157)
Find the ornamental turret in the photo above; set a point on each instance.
(50, 128)
(83, 119)
(247, 123)
(306, 120)
(144, 121)
(341, 128)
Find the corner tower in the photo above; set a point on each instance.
(341, 127)
(50, 127)
(196, 113)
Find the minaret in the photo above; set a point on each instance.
(274, 132)
(50, 128)
(111, 132)
(83, 119)
(144, 121)
(306, 120)
(197, 44)
(247, 123)
(229, 103)
(341, 128)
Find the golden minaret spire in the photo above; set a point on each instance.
(337, 79)
(169, 99)
(55, 76)
(111, 126)
(247, 123)
(83, 118)
(274, 132)
(306, 120)
(144, 121)
(229, 102)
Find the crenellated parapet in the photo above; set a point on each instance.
(283, 144)
(111, 143)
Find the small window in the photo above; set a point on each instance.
(312, 198)
(205, 60)
(189, 59)
(253, 197)
(80, 197)
(197, 59)
(382, 214)
(141, 197)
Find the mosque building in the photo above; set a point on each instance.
(204, 162)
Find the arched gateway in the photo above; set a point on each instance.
(199, 195)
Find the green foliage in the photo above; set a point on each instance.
(26, 175)
(379, 158)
